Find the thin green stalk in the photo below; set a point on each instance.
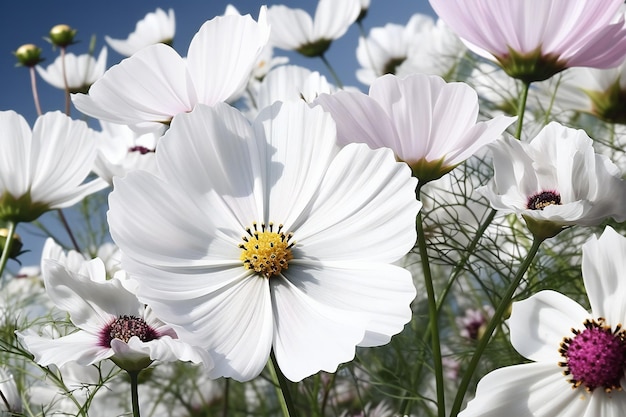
(433, 315)
(522, 109)
(8, 243)
(67, 227)
(282, 388)
(495, 321)
(33, 85)
(66, 85)
(134, 392)
(332, 71)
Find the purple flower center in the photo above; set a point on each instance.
(125, 327)
(543, 199)
(141, 149)
(595, 357)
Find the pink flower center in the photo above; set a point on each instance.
(543, 199)
(141, 149)
(595, 357)
(125, 327)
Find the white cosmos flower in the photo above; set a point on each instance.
(420, 46)
(270, 237)
(555, 181)
(295, 30)
(120, 149)
(579, 357)
(10, 402)
(111, 322)
(535, 39)
(44, 169)
(155, 27)
(81, 71)
(152, 86)
(428, 123)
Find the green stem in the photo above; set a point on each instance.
(433, 315)
(134, 392)
(495, 321)
(332, 71)
(66, 85)
(67, 227)
(522, 109)
(282, 388)
(8, 243)
(33, 85)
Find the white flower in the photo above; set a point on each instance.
(81, 71)
(155, 27)
(153, 85)
(556, 180)
(111, 322)
(295, 30)
(428, 123)
(269, 236)
(421, 46)
(579, 358)
(44, 169)
(121, 149)
(535, 39)
(10, 400)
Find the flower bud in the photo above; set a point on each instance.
(28, 55)
(62, 35)
(16, 245)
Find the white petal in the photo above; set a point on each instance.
(234, 323)
(15, 165)
(310, 336)
(145, 90)
(379, 292)
(81, 347)
(528, 390)
(365, 209)
(332, 18)
(301, 143)
(219, 68)
(291, 28)
(539, 324)
(603, 266)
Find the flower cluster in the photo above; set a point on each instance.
(244, 235)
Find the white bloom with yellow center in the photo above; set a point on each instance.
(269, 236)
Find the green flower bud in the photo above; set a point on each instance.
(62, 35)
(16, 244)
(28, 55)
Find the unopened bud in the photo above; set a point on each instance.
(28, 55)
(16, 244)
(62, 35)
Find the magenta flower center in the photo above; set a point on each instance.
(595, 357)
(141, 149)
(543, 199)
(125, 327)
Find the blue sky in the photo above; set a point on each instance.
(30, 21)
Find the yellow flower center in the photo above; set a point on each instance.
(266, 252)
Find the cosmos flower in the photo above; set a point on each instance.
(155, 27)
(44, 169)
(295, 30)
(579, 357)
(555, 181)
(11, 401)
(535, 39)
(81, 71)
(428, 123)
(120, 150)
(270, 237)
(420, 46)
(111, 322)
(146, 90)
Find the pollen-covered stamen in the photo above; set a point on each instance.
(266, 251)
(595, 357)
(125, 327)
(543, 199)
